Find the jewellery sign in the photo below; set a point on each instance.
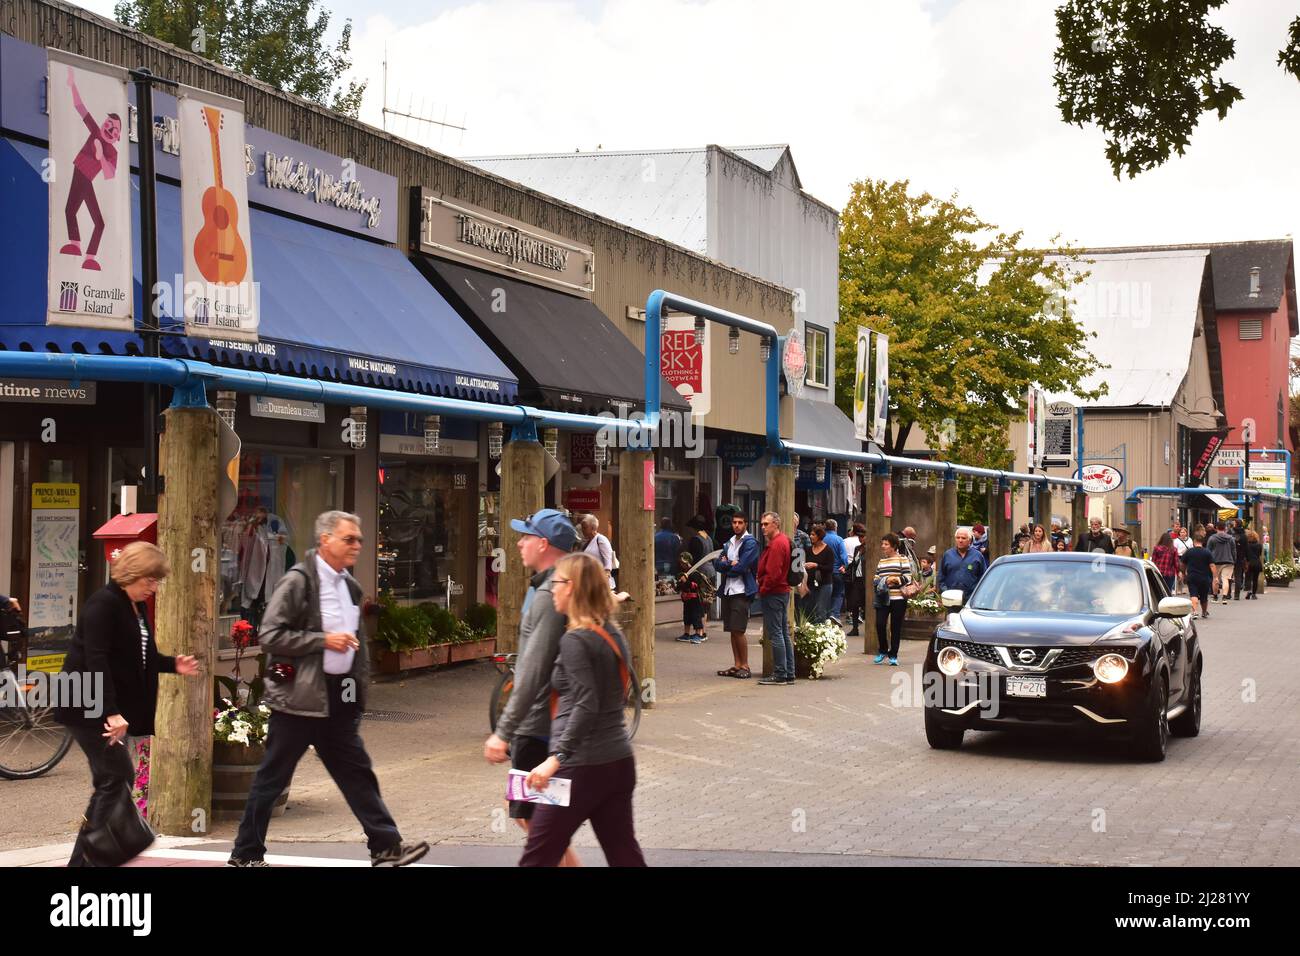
(466, 233)
(216, 245)
(90, 282)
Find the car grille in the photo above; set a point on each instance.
(1068, 657)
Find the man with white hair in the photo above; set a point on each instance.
(961, 567)
(315, 687)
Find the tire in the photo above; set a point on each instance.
(500, 694)
(1188, 723)
(1151, 738)
(632, 710)
(47, 742)
(940, 737)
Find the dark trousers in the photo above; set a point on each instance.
(340, 749)
(1252, 580)
(601, 793)
(110, 771)
(893, 616)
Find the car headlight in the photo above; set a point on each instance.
(1110, 668)
(951, 661)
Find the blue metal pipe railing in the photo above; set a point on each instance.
(189, 378)
(1241, 494)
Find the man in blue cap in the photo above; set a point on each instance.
(523, 730)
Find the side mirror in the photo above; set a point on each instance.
(1174, 607)
(954, 598)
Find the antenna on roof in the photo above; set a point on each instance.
(419, 117)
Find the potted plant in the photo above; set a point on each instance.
(240, 723)
(1280, 573)
(815, 646)
(924, 612)
(475, 637)
(405, 635)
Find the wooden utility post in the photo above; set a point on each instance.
(780, 498)
(999, 527)
(180, 780)
(1133, 522)
(1078, 515)
(523, 476)
(945, 516)
(877, 527)
(636, 573)
(1043, 507)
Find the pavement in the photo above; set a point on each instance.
(828, 772)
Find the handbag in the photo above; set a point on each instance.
(121, 835)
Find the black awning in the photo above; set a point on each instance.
(561, 347)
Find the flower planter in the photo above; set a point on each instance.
(1277, 582)
(394, 662)
(920, 627)
(233, 767)
(802, 667)
(473, 650)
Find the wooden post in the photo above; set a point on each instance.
(780, 498)
(1078, 515)
(1043, 507)
(877, 526)
(1133, 522)
(999, 525)
(945, 516)
(636, 573)
(180, 775)
(523, 473)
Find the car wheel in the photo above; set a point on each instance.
(939, 736)
(1188, 723)
(1151, 738)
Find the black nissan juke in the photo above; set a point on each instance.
(1065, 642)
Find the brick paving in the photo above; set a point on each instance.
(834, 768)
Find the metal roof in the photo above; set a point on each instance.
(1143, 308)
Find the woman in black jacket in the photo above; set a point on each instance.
(1254, 563)
(588, 743)
(116, 664)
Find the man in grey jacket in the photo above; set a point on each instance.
(523, 730)
(315, 687)
(1223, 550)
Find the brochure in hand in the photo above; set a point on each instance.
(556, 792)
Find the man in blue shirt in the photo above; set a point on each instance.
(961, 567)
(667, 547)
(836, 544)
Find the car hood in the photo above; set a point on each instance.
(1036, 629)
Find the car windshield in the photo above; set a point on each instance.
(1060, 587)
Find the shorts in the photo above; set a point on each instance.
(735, 613)
(693, 613)
(525, 754)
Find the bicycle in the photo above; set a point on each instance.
(505, 663)
(31, 741)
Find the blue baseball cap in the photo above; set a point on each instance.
(551, 525)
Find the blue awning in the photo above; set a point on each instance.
(333, 306)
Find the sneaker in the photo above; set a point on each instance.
(702, 637)
(399, 854)
(769, 681)
(694, 639)
(236, 861)
(880, 659)
(684, 639)
(789, 680)
(893, 662)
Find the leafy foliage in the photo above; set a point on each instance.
(970, 322)
(1143, 71)
(281, 42)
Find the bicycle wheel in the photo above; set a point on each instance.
(632, 709)
(500, 694)
(31, 741)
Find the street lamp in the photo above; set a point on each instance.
(496, 436)
(969, 484)
(733, 340)
(358, 413)
(432, 433)
(764, 349)
(699, 330)
(821, 470)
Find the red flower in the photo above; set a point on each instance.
(242, 634)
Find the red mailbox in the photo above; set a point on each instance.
(121, 531)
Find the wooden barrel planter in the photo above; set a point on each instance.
(233, 767)
(920, 628)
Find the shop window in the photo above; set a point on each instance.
(815, 345)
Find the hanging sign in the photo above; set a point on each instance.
(1036, 412)
(684, 364)
(55, 543)
(1099, 479)
(881, 403)
(1057, 449)
(862, 425)
(1204, 446)
(216, 241)
(90, 275)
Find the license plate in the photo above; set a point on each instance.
(1026, 686)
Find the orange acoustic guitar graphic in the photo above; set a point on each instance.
(218, 249)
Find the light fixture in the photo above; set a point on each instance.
(931, 479)
(551, 441)
(764, 349)
(969, 484)
(699, 330)
(794, 462)
(496, 435)
(602, 449)
(867, 474)
(984, 486)
(663, 322)
(842, 471)
(358, 414)
(905, 479)
(821, 469)
(733, 341)
(226, 407)
(432, 433)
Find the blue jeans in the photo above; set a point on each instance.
(777, 624)
(837, 597)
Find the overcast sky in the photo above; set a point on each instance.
(955, 95)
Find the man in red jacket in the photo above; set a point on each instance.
(774, 593)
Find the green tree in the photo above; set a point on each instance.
(971, 323)
(280, 42)
(1145, 71)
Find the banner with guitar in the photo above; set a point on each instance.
(88, 171)
(221, 297)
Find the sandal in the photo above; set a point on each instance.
(729, 672)
(742, 673)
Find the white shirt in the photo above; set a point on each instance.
(1180, 546)
(337, 614)
(735, 585)
(851, 546)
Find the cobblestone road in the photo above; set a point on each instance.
(833, 767)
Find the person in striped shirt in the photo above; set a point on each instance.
(893, 572)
